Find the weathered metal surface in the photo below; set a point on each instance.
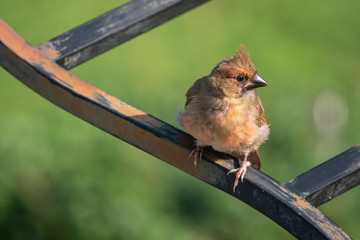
(140, 129)
(111, 29)
(330, 179)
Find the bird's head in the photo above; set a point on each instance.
(236, 75)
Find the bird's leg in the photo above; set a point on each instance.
(197, 152)
(240, 172)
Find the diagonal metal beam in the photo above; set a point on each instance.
(330, 179)
(288, 209)
(111, 29)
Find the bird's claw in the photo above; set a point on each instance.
(240, 173)
(197, 152)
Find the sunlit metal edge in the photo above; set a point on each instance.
(158, 138)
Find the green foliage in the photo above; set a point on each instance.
(61, 178)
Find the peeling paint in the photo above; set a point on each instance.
(48, 50)
(72, 59)
(331, 230)
(93, 105)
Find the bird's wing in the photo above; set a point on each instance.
(260, 120)
(194, 90)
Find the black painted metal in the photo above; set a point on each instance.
(330, 179)
(291, 205)
(260, 191)
(113, 28)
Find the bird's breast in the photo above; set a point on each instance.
(227, 127)
(235, 129)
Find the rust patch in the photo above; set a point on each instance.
(38, 57)
(122, 128)
(48, 50)
(118, 126)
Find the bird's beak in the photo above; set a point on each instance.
(258, 81)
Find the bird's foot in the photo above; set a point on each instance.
(240, 172)
(197, 152)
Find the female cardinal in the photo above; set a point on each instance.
(222, 110)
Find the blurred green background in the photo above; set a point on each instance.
(62, 178)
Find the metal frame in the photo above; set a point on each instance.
(43, 68)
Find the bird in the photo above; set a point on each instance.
(223, 111)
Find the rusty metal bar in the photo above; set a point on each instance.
(111, 29)
(330, 179)
(288, 209)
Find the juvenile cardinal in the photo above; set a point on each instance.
(222, 110)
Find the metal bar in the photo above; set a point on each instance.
(159, 139)
(111, 29)
(330, 179)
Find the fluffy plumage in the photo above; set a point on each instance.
(223, 111)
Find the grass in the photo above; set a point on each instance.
(62, 178)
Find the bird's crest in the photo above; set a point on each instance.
(240, 63)
(242, 60)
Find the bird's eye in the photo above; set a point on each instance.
(240, 77)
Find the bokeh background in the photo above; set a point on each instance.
(62, 178)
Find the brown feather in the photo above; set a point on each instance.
(193, 90)
(242, 60)
(222, 112)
